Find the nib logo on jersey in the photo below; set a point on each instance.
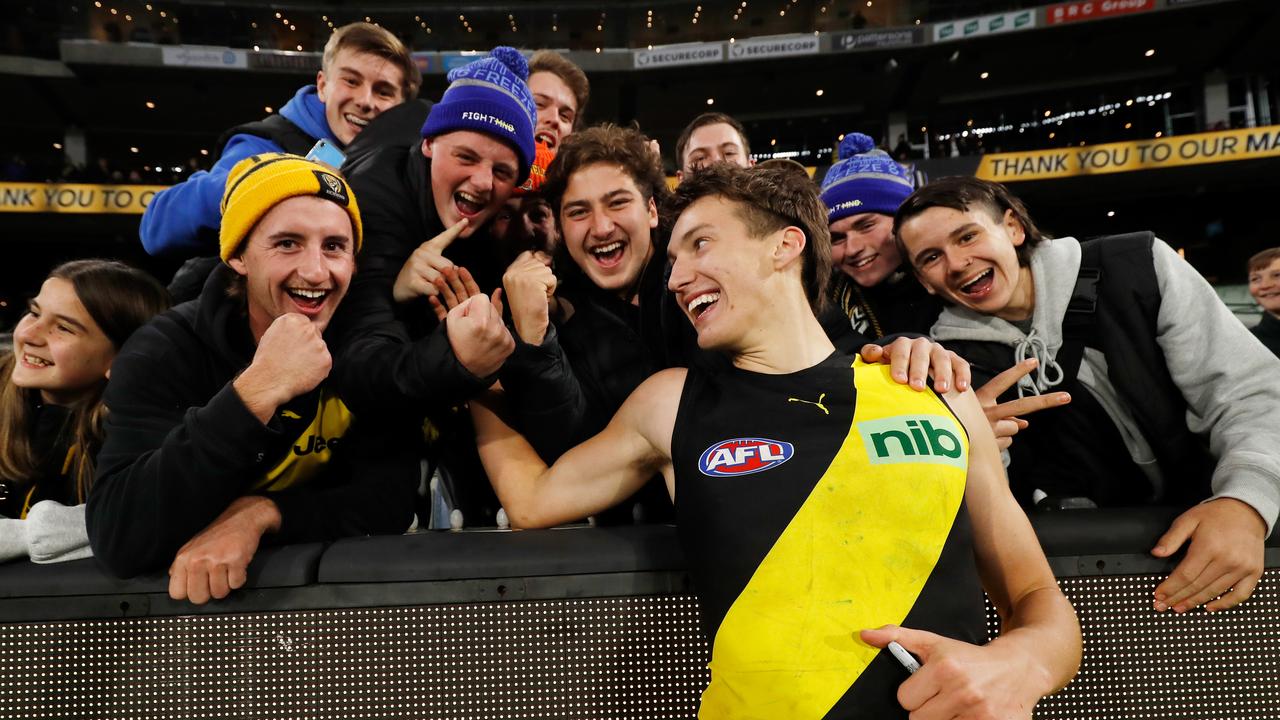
(914, 439)
(743, 456)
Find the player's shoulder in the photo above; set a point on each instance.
(662, 386)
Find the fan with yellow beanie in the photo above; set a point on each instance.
(225, 432)
(259, 182)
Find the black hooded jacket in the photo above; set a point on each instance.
(181, 445)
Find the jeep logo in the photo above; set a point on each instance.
(914, 439)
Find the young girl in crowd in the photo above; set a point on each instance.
(51, 407)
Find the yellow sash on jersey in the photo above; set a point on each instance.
(313, 448)
(855, 556)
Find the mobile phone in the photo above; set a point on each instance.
(324, 152)
(908, 660)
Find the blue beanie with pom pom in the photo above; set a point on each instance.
(865, 179)
(490, 96)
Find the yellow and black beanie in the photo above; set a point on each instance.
(260, 182)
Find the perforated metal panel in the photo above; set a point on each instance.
(605, 658)
(1142, 664)
(587, 658)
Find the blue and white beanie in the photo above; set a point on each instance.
(490, 96)
(864, 179)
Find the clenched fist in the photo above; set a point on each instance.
(291, 359)
(478, 336)
(529, 285)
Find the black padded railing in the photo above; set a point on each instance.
(576, 622)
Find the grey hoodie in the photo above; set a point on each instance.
(1231, 383)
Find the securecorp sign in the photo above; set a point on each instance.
(83, 199)
(1198, 149)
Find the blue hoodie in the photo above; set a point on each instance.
(175, 217)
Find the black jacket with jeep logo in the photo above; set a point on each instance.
(181, 446)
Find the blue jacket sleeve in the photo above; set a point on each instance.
(181, 219)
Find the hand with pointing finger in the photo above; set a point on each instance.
(417, 277)
(1005, 418)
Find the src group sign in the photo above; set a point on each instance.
(76, 198)
(1158, 153)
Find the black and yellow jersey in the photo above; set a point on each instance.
(812, 505)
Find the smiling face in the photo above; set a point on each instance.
(1264, 286)
(721, 276)
(557, 108)
(862, 247)
(607, 226)
(356, 88)
(717, 142)
(970, 259)
(58, 348)
(299, 258)
(472, 175)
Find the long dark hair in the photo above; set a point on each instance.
(120, 299)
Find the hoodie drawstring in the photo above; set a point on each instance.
(1048, 372)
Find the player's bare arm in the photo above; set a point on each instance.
(593, 476)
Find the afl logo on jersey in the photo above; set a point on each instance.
(743, 456)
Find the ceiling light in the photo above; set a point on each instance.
(268, 109)
(985, 75)
(711, 101)
(1150, 52)
(151, 105)
(819, 92)
(133, 149)
(1111, 213)
(1159, 134)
